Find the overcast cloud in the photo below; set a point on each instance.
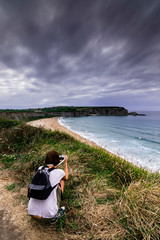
(80, 52)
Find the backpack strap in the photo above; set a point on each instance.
(48, 169)
(51, 169)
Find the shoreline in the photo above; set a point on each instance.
(53, 124)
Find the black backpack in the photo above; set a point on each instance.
(40, 187)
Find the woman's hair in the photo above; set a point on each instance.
(52, 158)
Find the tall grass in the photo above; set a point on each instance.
(106, 197)
(139, 210)
(4, 123)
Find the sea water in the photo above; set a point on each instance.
(134, 138)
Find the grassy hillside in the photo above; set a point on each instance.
(49, 109)
(106, 197)
(4, 124)
(53, 109)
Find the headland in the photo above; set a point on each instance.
(37, 113)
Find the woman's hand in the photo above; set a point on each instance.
(66, 158)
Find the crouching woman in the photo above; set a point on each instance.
(47, 210)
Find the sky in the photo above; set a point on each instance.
(80, 53)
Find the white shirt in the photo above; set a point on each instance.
(47, 208)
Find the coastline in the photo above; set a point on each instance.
(100, 185)
(53, 124)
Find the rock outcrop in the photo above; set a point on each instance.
(136, 114)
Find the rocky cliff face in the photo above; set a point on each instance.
(97, 111)
(76, 112)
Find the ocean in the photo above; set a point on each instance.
(134, 138)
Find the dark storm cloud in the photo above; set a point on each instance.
(69, 42)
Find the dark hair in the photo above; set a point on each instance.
(52, 158)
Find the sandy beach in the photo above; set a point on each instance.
(53, 124)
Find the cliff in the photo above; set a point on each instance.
(63, 112)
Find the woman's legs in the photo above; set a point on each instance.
(60, 191)
(61, 186)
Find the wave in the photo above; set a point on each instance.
(131, 144)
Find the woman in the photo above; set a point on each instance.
(47, 209)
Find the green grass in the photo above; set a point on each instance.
(11, 186)
(16, 110)
(50, 109)
(104, 194)
(4, 123)
(58, 109)
(97, 162)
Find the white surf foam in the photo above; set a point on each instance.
(134, 150)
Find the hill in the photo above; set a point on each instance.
(106, 197)
(30, 114)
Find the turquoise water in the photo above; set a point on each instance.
(136, 139)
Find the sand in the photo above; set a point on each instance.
(53, 124)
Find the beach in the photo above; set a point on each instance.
(135, 139)
(53, 124)
(100, 192)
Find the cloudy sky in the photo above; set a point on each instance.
(80, 52)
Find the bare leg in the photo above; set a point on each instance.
(62, 186)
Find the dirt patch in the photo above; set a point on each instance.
(14, 219)
(7, 230)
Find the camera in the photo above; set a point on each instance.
(61, 157)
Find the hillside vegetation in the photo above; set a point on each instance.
(105, 196)
(64, 111)
(54, 109)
